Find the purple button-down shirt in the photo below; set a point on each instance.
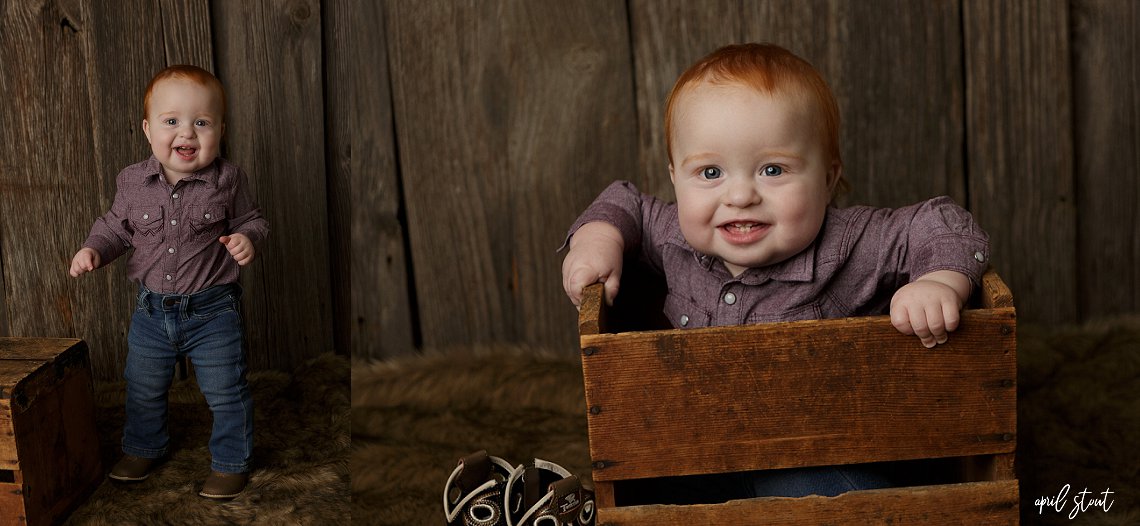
(861, 256)
(175, 229)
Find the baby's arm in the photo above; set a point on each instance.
(84, 261)
(595, 256)
(929, 306)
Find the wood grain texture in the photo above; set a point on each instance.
(900, 90)
(186, 32)
(510, 116)
(50, 441)
(370, 276)
(1020, 149)
(1106, 115)
(63, 63)
(988, 503)
(665, 403)
(269, 59)
(994, 291)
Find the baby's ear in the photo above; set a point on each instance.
(146, 129)
(672, 178)
(833, 175)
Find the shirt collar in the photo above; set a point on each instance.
(153, 169)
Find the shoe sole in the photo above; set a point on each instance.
(124, 478)
(218, 497)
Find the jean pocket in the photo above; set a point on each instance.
(146, 224)
(213, 310)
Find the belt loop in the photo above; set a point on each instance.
(184, 307)
(144, 299)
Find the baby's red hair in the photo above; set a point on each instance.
(187, 72)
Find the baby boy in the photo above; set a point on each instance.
(753, 141)
(192, 221)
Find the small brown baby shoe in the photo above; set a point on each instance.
(224, 485)
(132, 469)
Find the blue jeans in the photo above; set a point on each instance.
(206, 327)
(826, 481)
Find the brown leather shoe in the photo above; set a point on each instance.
(224, 485)
(132, 469)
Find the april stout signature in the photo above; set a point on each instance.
(1083, 501)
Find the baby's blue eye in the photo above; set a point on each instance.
(711, 172)
(171, 122)
(201, 122)
(772, 170)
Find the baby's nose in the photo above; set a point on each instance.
(741, 192)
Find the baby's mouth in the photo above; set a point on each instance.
(741, 228)
(186, 152)
(744, 232)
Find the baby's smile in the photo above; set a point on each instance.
(185, 152)
(743, 232)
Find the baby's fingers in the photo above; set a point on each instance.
(900, 318)
(576, 280)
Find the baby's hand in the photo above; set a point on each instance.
(595, 256)
(240, 247)
(929, 306)
(84, 261)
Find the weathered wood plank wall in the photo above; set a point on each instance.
(270, 56)
(1106, 131)
(1020, 149)
(364, 185)
(420, 160)
(509, 115)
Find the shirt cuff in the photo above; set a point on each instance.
(607, 213)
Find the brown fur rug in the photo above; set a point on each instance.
(1079, 420)
(412, 418)
(300, 461)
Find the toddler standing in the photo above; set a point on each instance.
(192, 222)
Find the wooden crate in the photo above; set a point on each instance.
(809, 393)
(49, 447)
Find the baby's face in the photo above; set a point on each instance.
(751, 175)
(184, 126)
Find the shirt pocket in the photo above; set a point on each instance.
(207, 220)
(684, 313)
(810, 311)
(146, 225)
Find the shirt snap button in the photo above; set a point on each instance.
(174, 195)
(171, 250)
(684, 320)
(168, 278)
(207, 216)
(730, 298)
(173, 222)
(146, 216)
(980, 257)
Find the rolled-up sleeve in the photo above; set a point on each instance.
(926, 237)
